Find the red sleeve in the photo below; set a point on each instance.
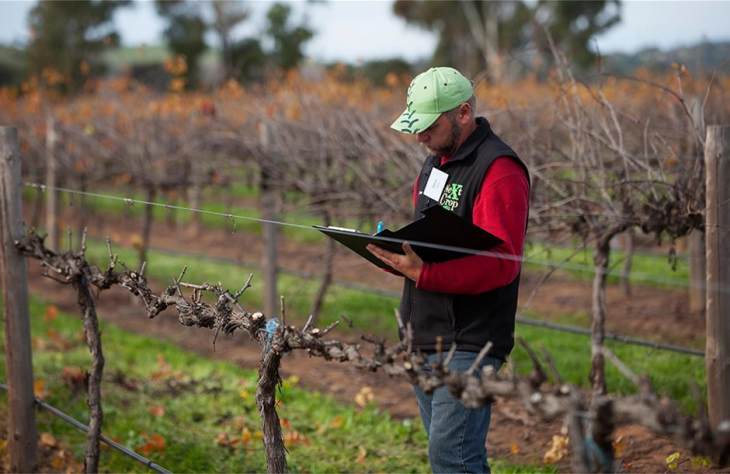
(500, 208)
(414, 191)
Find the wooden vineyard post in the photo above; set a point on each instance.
(195, 198)
(696, 238)
(270, 232)
(697, 274)
(717, 232)
(51, 180)
(22, 435)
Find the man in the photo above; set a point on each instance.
(471, 300)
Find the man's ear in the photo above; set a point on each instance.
(466, 114)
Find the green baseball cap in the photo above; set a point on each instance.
(430, 94)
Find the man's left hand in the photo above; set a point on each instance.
(409, 264)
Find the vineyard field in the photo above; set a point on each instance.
(368, 315)
(191, 413)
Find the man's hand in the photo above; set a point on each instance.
(409, 264)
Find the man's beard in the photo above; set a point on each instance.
(449, 148)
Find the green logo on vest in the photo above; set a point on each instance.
(451, 195)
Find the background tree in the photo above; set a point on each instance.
(13, 65)
(68, 37)
(248, 60)
(472, 35)
(380, 71)
(227, 14)
(288, 39)
(185, 33)
(475, 35)
(572, 25)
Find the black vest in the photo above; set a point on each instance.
(470, 321)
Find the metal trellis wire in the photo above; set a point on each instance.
(84, 429)
(637, 276)
(630, 340)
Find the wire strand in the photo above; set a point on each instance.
(563, 265)
(521, 319)
(85, 429)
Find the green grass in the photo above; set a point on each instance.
(374, 314)
(646, 269)
(368, 311)
(212, 399)
(671, 374)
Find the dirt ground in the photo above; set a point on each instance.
(514, 436)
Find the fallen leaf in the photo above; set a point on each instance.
(672, 460)
(700, 462)
(514, 448)
(74, 377)
(337, 422)
(155, 443)
(57, 341)
(557, 451)
(60, 460)
(285, 423)
(239, 422)
(294, 437)
(51, 313)
(364, 396)
(47, 440)
(222, 439)
(361, 454)
(163, 369)
(244, 394)
(157, 410)
(158, 441)
(38, 343)
(246, 436)
(136, 241)
(39, 388)
(619, 446)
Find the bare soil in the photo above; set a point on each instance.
(515, 437)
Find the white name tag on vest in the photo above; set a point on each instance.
(435, 184)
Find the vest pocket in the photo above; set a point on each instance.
(432, 316)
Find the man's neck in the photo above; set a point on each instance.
(466, 132)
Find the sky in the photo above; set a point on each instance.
(356, 30)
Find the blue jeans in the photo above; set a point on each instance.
(456, 434)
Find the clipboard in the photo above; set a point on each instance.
(437, 227)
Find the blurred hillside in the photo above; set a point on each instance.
(703, 57)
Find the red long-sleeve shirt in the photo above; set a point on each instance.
(501, 209)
